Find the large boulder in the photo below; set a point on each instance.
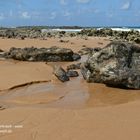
(41, 54)
(117, 64)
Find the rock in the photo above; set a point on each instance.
(1, 51)
(60, 73)
(137, 40)
(1, 54)
(52, 54)
(74, 66)
(117, 64)
(85, 71)
(132, 35)
(76, 57)
(71, 73)
(97, 49)
(64, 41)
(85, 51)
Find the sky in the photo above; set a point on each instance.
(70, 12)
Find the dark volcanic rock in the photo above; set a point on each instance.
(74, 66)
(117, 64)
(43, 54)
(76, 57)
(71, 73)
(60, 74)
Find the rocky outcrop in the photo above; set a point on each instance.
(117, 64)
(42, 54)
(133, 36)
(35, 32)
(86, 51)
(76, 56)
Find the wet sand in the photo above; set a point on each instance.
(49, 109)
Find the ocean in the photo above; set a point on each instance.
(78, 30)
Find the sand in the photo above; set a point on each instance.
(46, 109)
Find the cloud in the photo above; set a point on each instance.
(83, 1)
(25, 15)
(126, 5)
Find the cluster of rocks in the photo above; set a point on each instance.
(133, 36)
(117, 64)
(23, 33)
(20, 33)
(52, 54)
(63, 75)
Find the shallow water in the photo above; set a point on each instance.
(73, 94)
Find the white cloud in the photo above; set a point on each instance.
(83, 1)
(1, 16)
(126, 5)
(25, 15)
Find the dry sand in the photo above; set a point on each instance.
(51, 110)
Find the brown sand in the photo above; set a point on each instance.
(74, 43)
(74, 110)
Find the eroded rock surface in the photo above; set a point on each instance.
(53, 54)
(117, 64)
(72, 73)
(74, 66)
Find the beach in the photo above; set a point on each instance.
(35, 105)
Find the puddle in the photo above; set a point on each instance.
(73, 94)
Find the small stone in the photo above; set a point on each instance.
(71, 73)
(60, 73)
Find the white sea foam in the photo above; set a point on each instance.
(78, 30)
(59, 30)
(123, 29)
